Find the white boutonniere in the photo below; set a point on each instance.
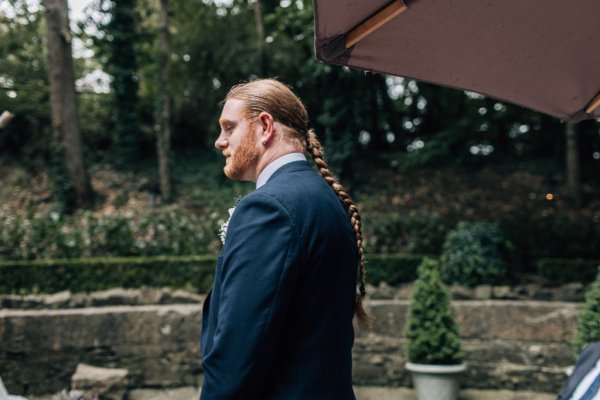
(224, 225)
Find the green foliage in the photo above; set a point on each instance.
(588, 328)
(392, 232)
(194, 273)
(23, 81)
(146, 233)
(431, 332)
(213, 48)
(475, 253)
(393, 269)
(121, 34)
(553, 234)
(557, 271)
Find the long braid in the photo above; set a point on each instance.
(316, 150)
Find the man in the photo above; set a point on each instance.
(277, 323)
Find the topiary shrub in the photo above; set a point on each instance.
(431, 332)
(475, 253)
(588, 320)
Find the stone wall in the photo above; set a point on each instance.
(517, 345)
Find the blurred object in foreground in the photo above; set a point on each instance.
(3, 393)
(5, 118)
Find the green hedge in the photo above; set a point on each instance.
(393, 269)
(558, 270)
(194, 273)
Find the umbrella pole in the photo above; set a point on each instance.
(594, 104)
(374, 22)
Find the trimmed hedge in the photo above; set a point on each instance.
(194, 273)
(393, 269)
(559, 270)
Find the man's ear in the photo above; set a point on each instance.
(267, 124)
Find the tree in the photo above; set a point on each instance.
(122, 36)
(163, 110)
(65, 119)
(572, 164)
(24, 82)
(260, 35)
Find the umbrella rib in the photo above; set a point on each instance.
(594, 104)
(374, 22)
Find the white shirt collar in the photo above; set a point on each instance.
(266, 173)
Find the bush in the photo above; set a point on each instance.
(193, 273)
(475, 253)
(393, 269)
(588, 327)
(420, 233)
(557, 271)
(431, 332)
(168, 230)
(555, 235)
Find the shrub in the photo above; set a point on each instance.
(194, 273)
(393, 269)
(475, 253)
(588, 327)
(167, 230)
(419, 233)
(431, 332)
(553, 235)
(557, 271)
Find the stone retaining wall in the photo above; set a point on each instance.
(516, 345)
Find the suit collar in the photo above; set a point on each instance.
(291, 167)
(276, 164)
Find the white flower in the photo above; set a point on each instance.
(224, 225)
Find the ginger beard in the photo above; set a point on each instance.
(243, 158)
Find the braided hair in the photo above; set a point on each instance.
(277, 99)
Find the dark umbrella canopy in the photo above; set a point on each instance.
(540, 54)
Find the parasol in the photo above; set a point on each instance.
(540, 54)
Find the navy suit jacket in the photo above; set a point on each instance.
(278, 321)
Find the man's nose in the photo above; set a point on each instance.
(221, 143)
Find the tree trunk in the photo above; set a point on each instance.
(65, 119)
(163, 112)
(260, 36)
(573, 170)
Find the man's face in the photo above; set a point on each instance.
(239, 142)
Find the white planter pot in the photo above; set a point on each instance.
(436, 382)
